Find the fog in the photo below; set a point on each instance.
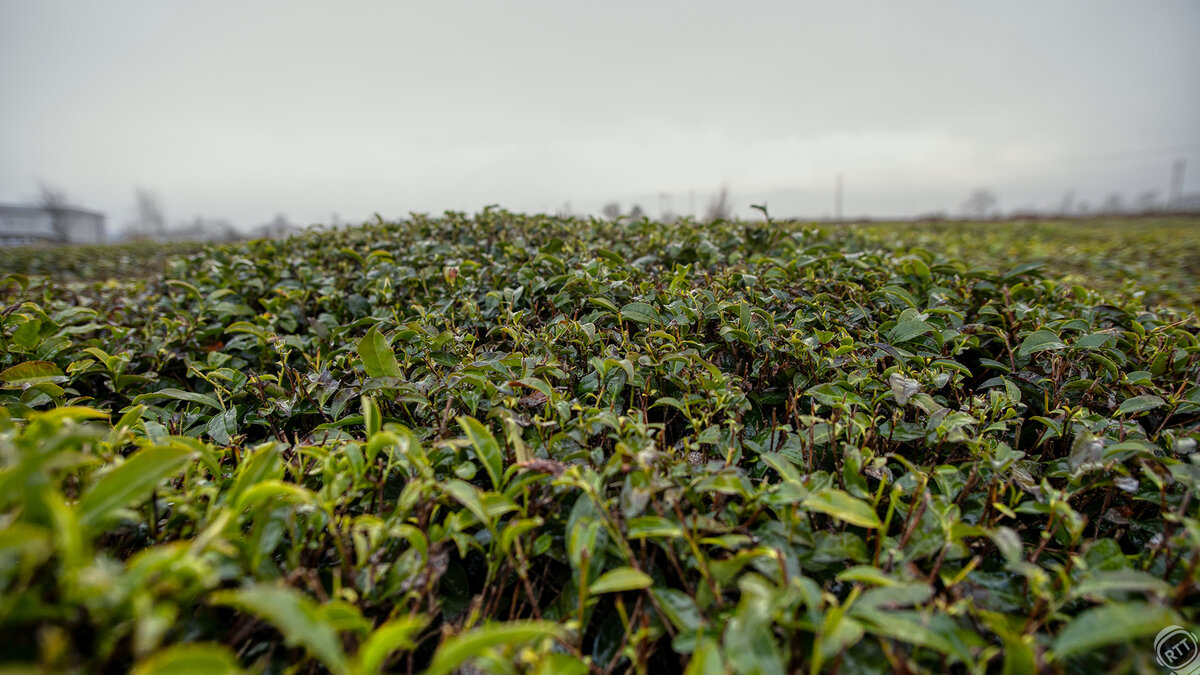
(335, 111)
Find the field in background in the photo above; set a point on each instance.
(526, 444)
(95, 262)
(1157, 256)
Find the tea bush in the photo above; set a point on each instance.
(531, 444)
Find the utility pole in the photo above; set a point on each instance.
(1176, 194)
(837, 201)
(692, 203)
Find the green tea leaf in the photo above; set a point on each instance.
(1108, 624)
(1040, 341)
(180, 395)
(461, 648)
(196, 658)
(293, 615)
(843, 507)
(1139, 404)
(640, 312)
(261, 465)
(377, 356)
(907, 330)
(620, 579)
(1103, 582)
(486, 448)
(30, 373)
(397, 634)
(131, 481)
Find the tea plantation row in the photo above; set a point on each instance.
(537, 445)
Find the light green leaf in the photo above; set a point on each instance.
(395, 634)
(31, 373)
(1109, 581)
(680, 608)
(131, 481)
(647, 527)
(640, 312)
(372, 418)
(1094, 340)
(271, 489)
(1139, 404)
(905, 626)
(867, 574)
(468, 495)
(1023, 268)
(486, 448)
(180, 395)
(377, 356)
(603, 303)
(457, 650)
(843, 507)
(263, 464)
(907, 330)
(1040, 341)
(620, 579)
(196, 658)
(1109, 624)
(293, 615)
(221, 427)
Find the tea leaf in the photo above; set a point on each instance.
(486, 448)
(30, 373)
(843, 507)
(397, 634)
(1138, 404)
(293, 615)
(461, 648)
(377, 356)
(620, 579)
(1040, 341)
(130, 481)
(1107, 624)
(640, 312)
(190, 659)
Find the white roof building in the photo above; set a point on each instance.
(38, 225)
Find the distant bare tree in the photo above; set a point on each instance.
(1113, 204)
(54, 200)
(1067, 203)
(720, 207)
(611, 210)
(636, 213)
(52, 196)
(151, 221)
(980, 204)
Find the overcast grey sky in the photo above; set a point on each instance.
(310, 108)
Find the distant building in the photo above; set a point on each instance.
(21, 225)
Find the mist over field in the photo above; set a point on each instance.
(238, 113)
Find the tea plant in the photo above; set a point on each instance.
(1157, 257)
(531, 444)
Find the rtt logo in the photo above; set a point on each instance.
(1177, 650)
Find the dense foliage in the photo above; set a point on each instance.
(532, 444)
(1157, 258)
(94, 262)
